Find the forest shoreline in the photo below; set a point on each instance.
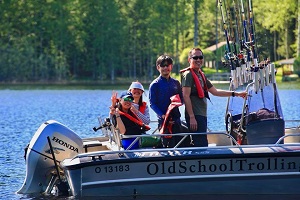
(116, 85)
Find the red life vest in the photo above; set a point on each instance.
(136, 120)
(142, 108)
(175, 102)
(197, 81)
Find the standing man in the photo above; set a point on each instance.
(195, 88)
(160, 91)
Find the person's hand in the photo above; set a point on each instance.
(193, 123)
(241, 94)
(133, 109)
(171, 122)
(112, 110)
(114, 98)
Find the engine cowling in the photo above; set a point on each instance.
(39, 160)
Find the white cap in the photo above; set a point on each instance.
(136, 85)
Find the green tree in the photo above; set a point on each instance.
(278, 18)
(121, 39)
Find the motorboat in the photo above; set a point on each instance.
(59, 162)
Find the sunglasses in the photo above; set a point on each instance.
(165, 64)
(128, 99)
(197, 57)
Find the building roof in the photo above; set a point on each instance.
(289, 61)
(213, 47)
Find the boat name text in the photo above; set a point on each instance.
(227, 166)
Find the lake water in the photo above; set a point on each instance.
(22, 112)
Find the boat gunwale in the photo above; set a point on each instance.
(123, 159)
(277, 144)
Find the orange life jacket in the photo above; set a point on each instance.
(142, 108)
(197, 81)
(175, 102)
(136, 120)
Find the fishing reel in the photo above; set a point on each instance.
(105, 124)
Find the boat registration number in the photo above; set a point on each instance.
(112, 169)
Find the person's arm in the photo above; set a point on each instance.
(112, 111)
(187, 100)
(153, 98)
(226, 93)
(120, 124)
(144, 117)
(186, 91)
(180, 92)
(116, 119)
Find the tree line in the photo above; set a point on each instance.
(108, 40)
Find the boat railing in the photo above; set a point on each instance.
(140, 150)
(244, 108)
(122, 152)
(280, 140)
(241, 148)
(185, 135)
(293, 122)
(116, 136)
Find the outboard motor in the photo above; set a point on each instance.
(42, 158)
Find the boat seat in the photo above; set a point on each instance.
(219, 140)
(90, 144)
(266, 131)
(293, 133)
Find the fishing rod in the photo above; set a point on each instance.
(229, 54)
(237, 35)
(239, 56)
(229, 20)
(238, 19)
(267, 71)
(244, 43)
(232, 38)
(263, 68)
(255, 60)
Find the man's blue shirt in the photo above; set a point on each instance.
(160, 91)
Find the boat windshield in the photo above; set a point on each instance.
(264, 104)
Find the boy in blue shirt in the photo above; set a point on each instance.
(160, 91)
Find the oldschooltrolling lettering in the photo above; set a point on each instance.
(63, 143)
(243, 165)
